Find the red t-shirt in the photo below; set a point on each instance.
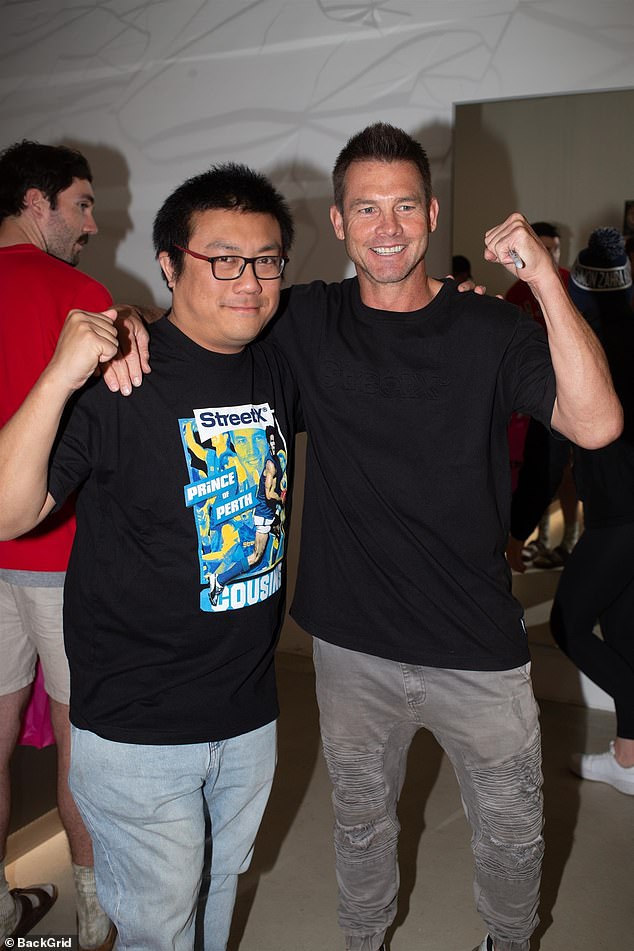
(36, 293)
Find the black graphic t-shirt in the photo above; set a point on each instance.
(168, 481)
(407, 497)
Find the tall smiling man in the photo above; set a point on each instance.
(173, 701)
(402, 579)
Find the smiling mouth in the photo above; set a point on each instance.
(395, 249)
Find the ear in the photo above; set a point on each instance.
(36, 202)
(167, 267)
(433, 214)
(337, 222)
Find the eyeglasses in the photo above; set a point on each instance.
(228, 267)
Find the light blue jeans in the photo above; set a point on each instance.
(145, 807)
(487, 724)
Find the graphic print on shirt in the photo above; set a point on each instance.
(236, 459)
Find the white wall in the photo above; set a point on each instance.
(155, 91)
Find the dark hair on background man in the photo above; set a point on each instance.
(544, 229)
(50, 168)
(380, 142)
(460, 265)
(227, 186)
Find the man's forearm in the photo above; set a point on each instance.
(587, 409)
(27, 438)
(25, 446)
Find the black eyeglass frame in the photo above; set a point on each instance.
(245, 261)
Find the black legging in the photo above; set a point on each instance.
(597, 583)
(545, 458)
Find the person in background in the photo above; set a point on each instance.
(461, 268)
(597, 583)
(46, 219)
(629, 250)
(544, 460)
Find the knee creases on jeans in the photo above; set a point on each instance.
(509, 840)
(363, 827)
(371, 840)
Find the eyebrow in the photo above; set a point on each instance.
(86, 197)
(222, 245)
(373, 201)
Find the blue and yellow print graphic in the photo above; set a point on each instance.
(236, 460)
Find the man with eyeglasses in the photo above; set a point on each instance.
(173, 698)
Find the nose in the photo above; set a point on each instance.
(248, 282)
(90, 225)
(389, 223)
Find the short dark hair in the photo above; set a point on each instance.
(226, 186)
(380, 142)
(460, 264)
(50, 168)
(544, 229)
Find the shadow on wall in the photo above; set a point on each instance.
(437, 140)
(111, 182)
(476, 209)
(317, 254)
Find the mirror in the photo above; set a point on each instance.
(564, 159)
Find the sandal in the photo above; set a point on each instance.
(32, 904)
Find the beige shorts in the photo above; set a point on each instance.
(31, 627)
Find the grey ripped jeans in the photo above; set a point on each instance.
(487, 724)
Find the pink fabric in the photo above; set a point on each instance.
(36, 723)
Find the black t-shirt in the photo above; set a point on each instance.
(168, 483)
(407, 496)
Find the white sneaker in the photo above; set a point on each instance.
(604, 768)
